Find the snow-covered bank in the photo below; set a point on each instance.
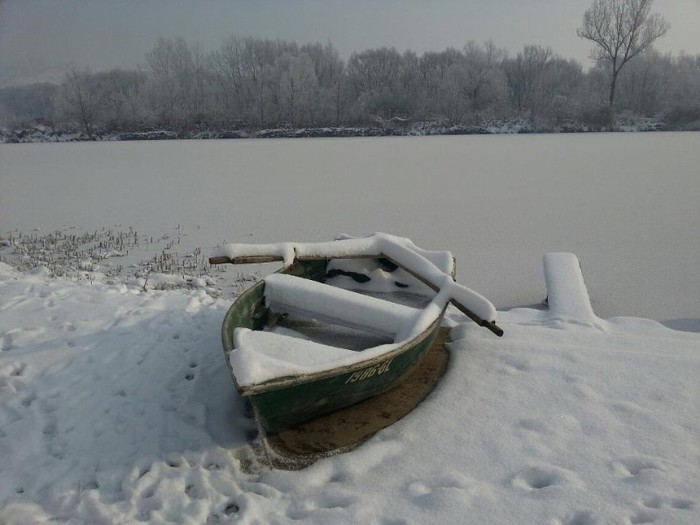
(43, 133)
(116, 407)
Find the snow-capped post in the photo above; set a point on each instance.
(567, 295)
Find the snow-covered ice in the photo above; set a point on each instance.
(116, 405)
(626, 204)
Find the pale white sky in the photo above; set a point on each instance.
(117, 33)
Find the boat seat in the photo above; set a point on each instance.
(288, 294)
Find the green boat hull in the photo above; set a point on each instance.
(285, 402)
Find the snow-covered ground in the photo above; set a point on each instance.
(116, 405)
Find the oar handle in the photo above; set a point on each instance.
(258, 259)
(491, 325)
(247, 259)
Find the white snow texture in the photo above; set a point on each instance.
(116, 407)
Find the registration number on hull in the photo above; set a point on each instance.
(372, 371)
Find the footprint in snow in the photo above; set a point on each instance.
(513, 365)
(660, 502)
(6, 342)
(328, 500)
(251, 459)
(643, 517)
(29, 399)
(334, 500)
(536, 478)
(18, 370)
(434, 490)
(634, 467)
(578, 518)
(533, 425)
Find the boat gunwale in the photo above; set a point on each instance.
(297, 379)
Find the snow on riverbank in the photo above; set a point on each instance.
(116, 407)
(40, 133)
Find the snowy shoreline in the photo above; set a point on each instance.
(40, 133)
(557, 422)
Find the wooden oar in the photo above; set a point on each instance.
(490, 325)
(257, 259)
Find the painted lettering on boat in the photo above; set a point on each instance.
(372, 371)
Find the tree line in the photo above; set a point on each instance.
(255, 83)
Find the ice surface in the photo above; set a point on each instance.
(626, 204)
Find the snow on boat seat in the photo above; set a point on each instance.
(260, 356)
(567, 295)
(306, 298)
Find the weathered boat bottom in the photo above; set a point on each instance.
(347, 428)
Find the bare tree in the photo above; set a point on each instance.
(80, 98)
(524, 76)
(118, 90)
(641, 87)
(330, 95)
(621, 29)
(484, 82)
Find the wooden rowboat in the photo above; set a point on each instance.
(300, 344)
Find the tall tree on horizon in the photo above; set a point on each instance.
(80, 98)
(620, 29)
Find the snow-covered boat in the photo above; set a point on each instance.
(341, 322)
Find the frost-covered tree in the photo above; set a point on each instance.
(330, 93)
(556, 93)
(434, 72)
(620, 30)
(227, 68)
(684, 83)
(376, 77)
(172, 75)
(119, 95)
(80, 98)
(292, 89)
(253, 82)
(180, 80)
(524, 75)
(643, 85)
(484, 82)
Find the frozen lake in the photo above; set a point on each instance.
(626, 204)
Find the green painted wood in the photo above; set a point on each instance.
(282, 408)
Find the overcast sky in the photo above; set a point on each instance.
(117, 33)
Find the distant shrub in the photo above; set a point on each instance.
(685, 118)
(597, 118)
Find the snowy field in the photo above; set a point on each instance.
(116, 406)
